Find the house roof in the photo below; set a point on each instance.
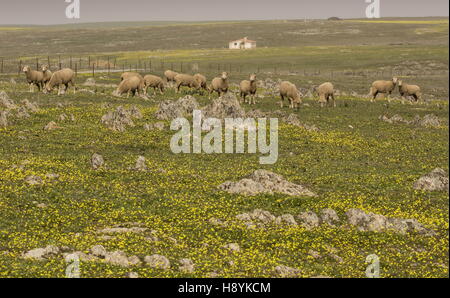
(245, 39)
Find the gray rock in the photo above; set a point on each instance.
(286, 219)
(133, 275)
(262, 181)
(4, 119)
(186, 266)
(436, 180)
(51, 126)
(97, 161)
(287, 272)
(117, 258)
(234, 247)
(141, 164)
(42, 253)
(98, 251)
(309, 219)
(157, 261)
(226, 106)
(118, 120)
(330, 217)
(33, 180)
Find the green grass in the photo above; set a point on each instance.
(370, 166)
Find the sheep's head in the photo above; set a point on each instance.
(394, 80)
(224, 75)
(26, 69)
(44, 68)
(252, 77)
(400, 83)
(48, 88)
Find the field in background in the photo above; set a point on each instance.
(354, 160)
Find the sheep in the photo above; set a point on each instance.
(326, 91)
(219, 85)
(201, 79)
(47, 74)
(186, 80)
(409, 90)
(129, 74)
(34, 77)
(248, 87)
(289, 90)
(170, 76)
(155, 82)
(382, 87)
(64, 77)
(132, 84)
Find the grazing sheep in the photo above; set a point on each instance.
(155, 82)
(129, 74)
(170, 76)
(219, 85)
(64, 77)
(34, 77)
(289, 90)
(383, 87)
(325, 92)
(248, 87)
(186, 80)
(132, 84)
(47, 74)
(409, 90)
(201, 79)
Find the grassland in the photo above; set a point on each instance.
(355, 160)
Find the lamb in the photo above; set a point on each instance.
(170, 76)
(201, 79)
(248, 87)
(382, 87)
(289, 90)
(47, 74)
(219, 84)
(155, 82)
(132, 84)
(64, 77)
(325, 92)
(34, 77)
(409, 90)
(186, 80)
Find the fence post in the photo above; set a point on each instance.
(48, 61)
(20, 67)
(37, 63)
(93, 69)
(109, 67)
(181, 67)
(76, 69)
(1, 70)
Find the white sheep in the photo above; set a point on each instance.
(64, 77)
(384, 87)
(133, 84)
(326, 92)
(409, 90)
(155, 82)
(34, 77)
(186, 80)
(219, 85)
(289, 90)
(248, 87)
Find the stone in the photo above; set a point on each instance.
(97, 161)
(436, 180)
(157, 261)
(186, 266)
(309, 219)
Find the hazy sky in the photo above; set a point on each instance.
(53, 11)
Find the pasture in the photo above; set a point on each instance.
(174, 209)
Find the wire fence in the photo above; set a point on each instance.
(93, 65)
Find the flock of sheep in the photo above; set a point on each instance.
(134, 83)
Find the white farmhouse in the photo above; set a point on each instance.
(243, 43)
